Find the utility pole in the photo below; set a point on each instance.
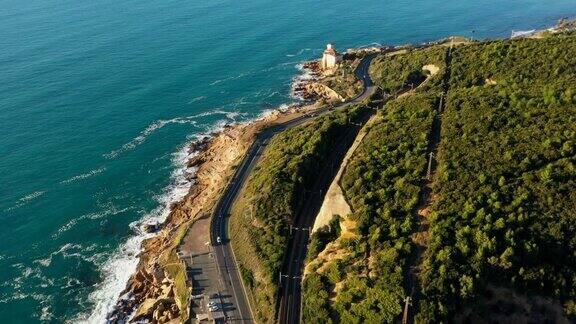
(407, 303)
(429, 172)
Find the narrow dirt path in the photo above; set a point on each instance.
(422, 210)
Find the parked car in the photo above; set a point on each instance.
(211, 304)
(213, 308)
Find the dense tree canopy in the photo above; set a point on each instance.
(382, 184)
(506, 208)
(504, 195)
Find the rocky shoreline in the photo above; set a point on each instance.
(152, 292)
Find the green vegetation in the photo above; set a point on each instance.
(506, 183)
(392, 73)
(321, 238)
(382, 184)
(504, 195)
(266, 206)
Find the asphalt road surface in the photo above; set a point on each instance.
(225, 259)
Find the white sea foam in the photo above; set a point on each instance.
(147, 132)
(158, 125)
(84, 175)
(122, 264)
(31, 196)
(241, 75)
(26, 200)
(305, 75)
(108, 210)
(196, 99)
(46, 315)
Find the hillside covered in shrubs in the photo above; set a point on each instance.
(500, 235)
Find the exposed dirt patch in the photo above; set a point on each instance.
(432, 71)
(431, 68)
(322, 261)
(490, 82)
(398, 52)
(424, 212)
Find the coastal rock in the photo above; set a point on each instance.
(195, 161)
(316, 90)
(150, 228)
(149, 307)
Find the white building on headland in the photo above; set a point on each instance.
(331, 57)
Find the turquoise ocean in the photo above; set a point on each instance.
(99, 98)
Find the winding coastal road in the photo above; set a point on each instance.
(224, 255)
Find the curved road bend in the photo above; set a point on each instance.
(225, 259)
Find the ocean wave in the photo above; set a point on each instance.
(158, 125)
(282, 108)
(42, 299)
(118, 268)
(31, 196)
(46, 315)
(84, 175)
(300, 52)
(26, 200)
(72, 250)
(108, 210)
(374, 44)
(196, 99)
(28, 285)
(291, 63)
(147, 132)
(141, 138)
(266, 94)
(241, 75)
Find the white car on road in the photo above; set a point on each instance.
(218, 240)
